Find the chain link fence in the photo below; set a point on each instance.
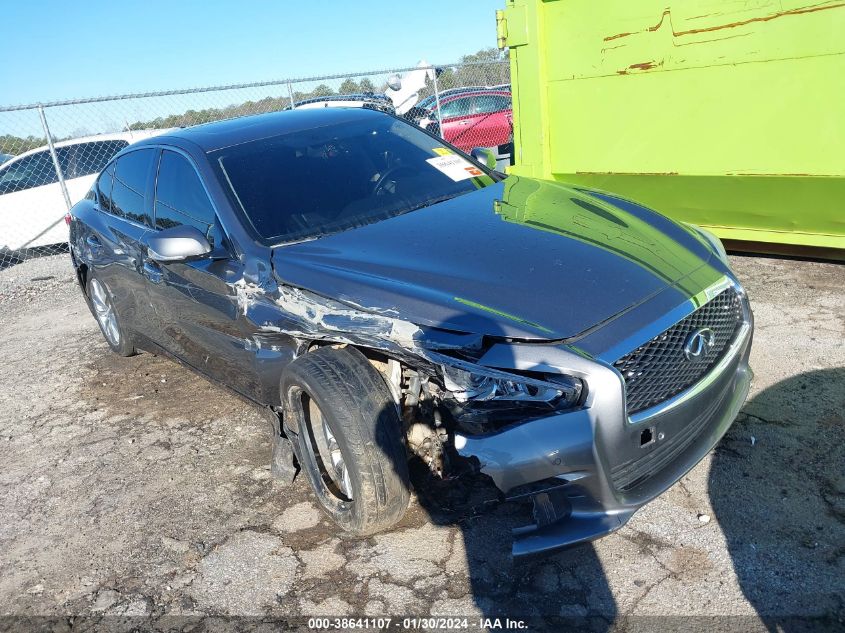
(51, 154)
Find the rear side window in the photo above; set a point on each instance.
(457, 107)
(36, 170)
(490, 103)
(104, 187)
(130, 182)
(181, 198)
(85, 159)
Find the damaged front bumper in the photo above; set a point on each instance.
(589, 470)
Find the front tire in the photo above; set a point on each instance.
(101, 304)
(340, 413)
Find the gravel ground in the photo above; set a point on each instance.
(131, 487)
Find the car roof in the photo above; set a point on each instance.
(219, 134)
(355, 96)
(452, 91)
(479, 91)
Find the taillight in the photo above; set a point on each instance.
(68, 218)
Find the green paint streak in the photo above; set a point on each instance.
(480, 306)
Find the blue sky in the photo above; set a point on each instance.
(60, 50)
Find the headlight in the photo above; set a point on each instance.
(478, 386)
(714, 241)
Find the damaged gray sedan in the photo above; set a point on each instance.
(390, 299)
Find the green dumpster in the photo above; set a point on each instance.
(728, 114)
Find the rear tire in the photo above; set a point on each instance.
(342, 417)
(101, 304)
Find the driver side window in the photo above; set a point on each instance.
(181, 199)
(458, 107)
(485, 104)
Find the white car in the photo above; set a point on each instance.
(32, 207)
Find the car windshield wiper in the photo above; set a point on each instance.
(435, 200)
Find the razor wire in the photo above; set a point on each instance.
(51, 153)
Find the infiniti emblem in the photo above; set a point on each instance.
(698, 344)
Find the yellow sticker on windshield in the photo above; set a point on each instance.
(441, 151)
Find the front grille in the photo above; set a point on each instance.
(658, 369)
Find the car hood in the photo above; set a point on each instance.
(521, 258)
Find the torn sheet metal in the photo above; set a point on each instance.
(310, 316)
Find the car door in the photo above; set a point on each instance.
(32, 205)
(490, 121)
(455, 114)
(195, 300)
(485, 124)
(113, 241)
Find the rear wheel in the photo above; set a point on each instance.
(340, 414)
(101, 303)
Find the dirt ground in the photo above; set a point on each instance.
(132, 487)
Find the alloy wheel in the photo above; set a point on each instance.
(328, 456)
(104, 311)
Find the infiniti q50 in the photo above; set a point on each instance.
(390, 299)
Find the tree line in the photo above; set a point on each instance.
(14, 145)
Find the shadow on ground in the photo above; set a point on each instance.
(777, 485)
(570, 584)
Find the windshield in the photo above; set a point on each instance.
(327, 179)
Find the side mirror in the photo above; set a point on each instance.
(177, 244)
(485, 156)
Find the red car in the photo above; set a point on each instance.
(477, 118)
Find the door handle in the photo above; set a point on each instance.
(464, 122)
(152, 271)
